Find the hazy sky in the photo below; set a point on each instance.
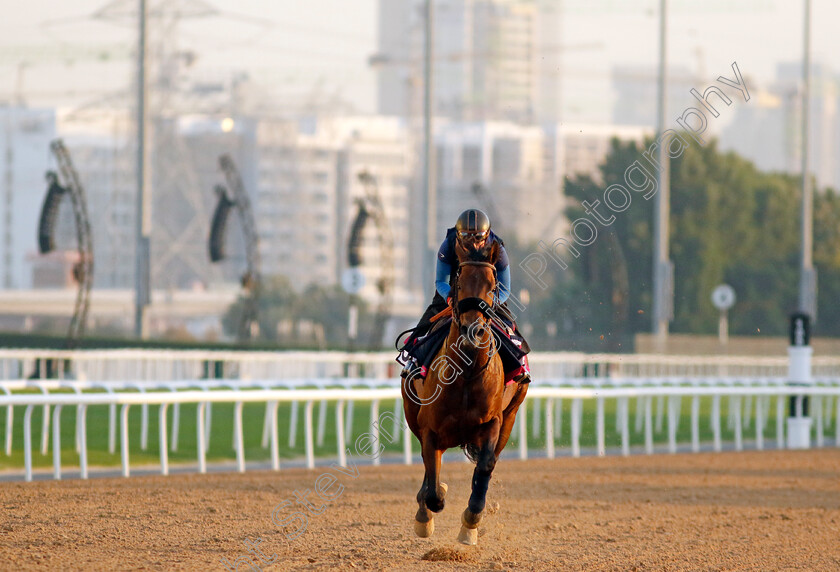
(293, 45)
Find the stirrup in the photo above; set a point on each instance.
(523, 378)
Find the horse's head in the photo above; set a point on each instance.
(474, 287)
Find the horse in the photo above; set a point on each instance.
(463, 400)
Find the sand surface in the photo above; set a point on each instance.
(725, 511)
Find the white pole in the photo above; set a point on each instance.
(807, 278)
(124, 439)
(549, 428)
(695, 423)
(310, 451)
(429, 190)
(661, 263)
(339, 432)
(143, 220)
(275, 445)
(83, 464)
(599, 424)
(237, 435)
(27, 442)
(57, 442)
(201, 437)
(164, 452)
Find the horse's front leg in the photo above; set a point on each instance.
(431, 496)
(486, 441)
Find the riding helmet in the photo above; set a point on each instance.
(473, 220)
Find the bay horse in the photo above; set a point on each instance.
(463, 400)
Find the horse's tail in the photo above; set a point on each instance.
(471, 451)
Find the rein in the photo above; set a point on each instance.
(475, 303)
(472, 303)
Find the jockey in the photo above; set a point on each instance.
(471, 231)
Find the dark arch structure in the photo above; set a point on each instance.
(66, 182)
(371, 209)
(218, 229)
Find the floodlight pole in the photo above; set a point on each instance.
(143, 216)
(807, 275)
(662, 269)
(429, 190)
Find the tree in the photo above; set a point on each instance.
(729, 223)
(324, 308)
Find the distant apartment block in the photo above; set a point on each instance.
(516, 172)
(501, 168)
(308, 187)
(486, 62)
(767, 130)
(584, 147)
(637, 94)
(184, 169)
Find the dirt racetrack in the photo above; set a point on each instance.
(725, 511)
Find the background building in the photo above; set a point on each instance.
(637, 92)
(768, 130)
(308, 187)
(104, 156)
(499, 167)
(24, 161)
(486, 64)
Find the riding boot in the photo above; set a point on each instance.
(410, 370)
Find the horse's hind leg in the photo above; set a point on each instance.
(481, 480)
(430, 498)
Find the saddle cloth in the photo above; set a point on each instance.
(426, 348)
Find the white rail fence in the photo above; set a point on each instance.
(45, 386)
(746, 397)
(167, 365)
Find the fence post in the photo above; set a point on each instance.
(576, 414)
(648, 424)
(599, 427)
(83, 444)
(695, 423)
(57, 442)
(27, 442)
(238, 437)
(624, 406)
(201, 444)
(310, 451)
(124, 438)
(164, 453)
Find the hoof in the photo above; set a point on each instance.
(468, 536)
(424, 529)
(444, 488)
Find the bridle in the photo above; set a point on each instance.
(475, 303)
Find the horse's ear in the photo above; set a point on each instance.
(494, 252)
(460, 251)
